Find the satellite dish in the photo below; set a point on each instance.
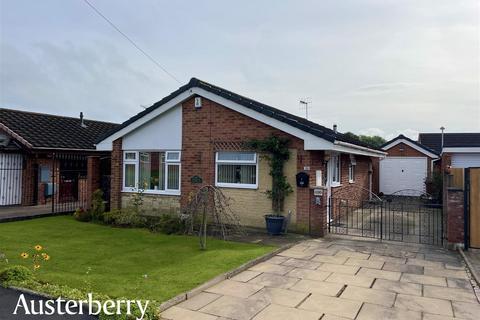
(4, 140)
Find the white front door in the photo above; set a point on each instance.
(402, 173)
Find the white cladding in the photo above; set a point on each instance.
(465, 160)
(161, 133)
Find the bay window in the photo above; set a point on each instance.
(236, 170)
(152, 171)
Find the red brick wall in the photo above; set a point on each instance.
(28, 181)
(116, 175)
(455, 217)
(358, 190)
(213, 123)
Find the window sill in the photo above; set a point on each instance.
(236, 186)
(351, 181)
(334, 185)
(154, 192)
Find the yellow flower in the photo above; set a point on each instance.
(24, 255)
(38, 247)
(46, 257)
(43, 254)
(37, 266)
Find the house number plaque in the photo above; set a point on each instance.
(196, 179)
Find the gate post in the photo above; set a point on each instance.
(93, 177)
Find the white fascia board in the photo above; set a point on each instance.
(345, 147)
(414, 146)
(106, 144)
(311, 142)
(461, 150)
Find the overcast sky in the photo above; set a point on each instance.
(371, 66)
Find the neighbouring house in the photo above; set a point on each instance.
(407, 167)
(453, 158)
(44, 159)
(460, 167)
(197, 136)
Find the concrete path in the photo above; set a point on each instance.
(342, 279)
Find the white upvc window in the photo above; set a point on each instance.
(351, 169)
(236, 170)
(155, 172)
(336, 171)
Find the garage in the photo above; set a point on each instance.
(401, 173)
(406, 167)
(10, 179)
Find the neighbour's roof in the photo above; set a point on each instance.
(285, 117)
(450, 140)
(46, 131)
(402, 137)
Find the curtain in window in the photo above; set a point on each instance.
(152, 170)
(173, 177)
(130, 175)
(237, 173)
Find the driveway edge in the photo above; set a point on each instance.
(227, 275)
(470, 266)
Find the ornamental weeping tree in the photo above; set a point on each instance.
(210, 212)
(276, 152)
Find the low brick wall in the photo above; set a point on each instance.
(155, 204)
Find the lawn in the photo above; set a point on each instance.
(119, 258)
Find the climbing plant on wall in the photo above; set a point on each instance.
(275, 150)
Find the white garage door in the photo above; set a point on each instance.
(465, 160)
(10, 179)
(399, 173)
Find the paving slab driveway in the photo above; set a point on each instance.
(335, 278)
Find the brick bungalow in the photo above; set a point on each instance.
(196, 136)
(43, 158)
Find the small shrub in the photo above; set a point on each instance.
(82, 215)
(168, 224)
(98, 205)
(15, 274)
(124, 218)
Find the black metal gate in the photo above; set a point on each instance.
(397, 220)
(69, 176)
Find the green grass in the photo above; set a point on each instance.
(119, 258)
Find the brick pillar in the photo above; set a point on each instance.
(318, 213)
(28, 181)
(116, 175)
(455, 218)
(93, 177)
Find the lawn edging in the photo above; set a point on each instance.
(227, 275)
(470, 267)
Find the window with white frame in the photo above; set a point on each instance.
(336, 178)
(152, 171)
(351, 169)
(236, 170)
